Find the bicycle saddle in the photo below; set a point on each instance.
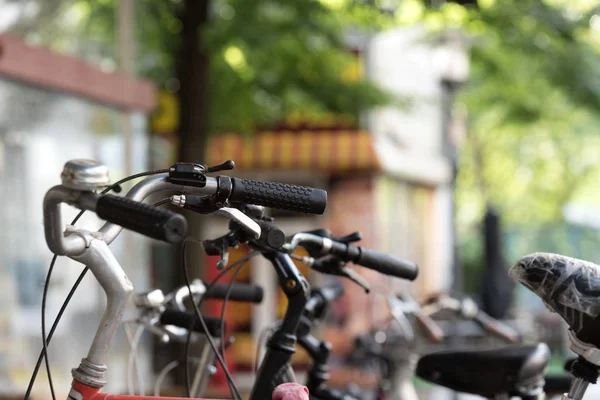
(568, 286)
(486, 373)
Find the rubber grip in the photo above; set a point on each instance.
(434, 333)
(154, 222)
(185, 319)
(239, 292)
(497, 328)
(279, 195)
(387, 264)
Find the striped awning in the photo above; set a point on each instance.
(333, 152)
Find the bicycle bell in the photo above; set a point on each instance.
(85, 175)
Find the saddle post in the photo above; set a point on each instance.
(585, 369)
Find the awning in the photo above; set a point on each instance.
(333, 152)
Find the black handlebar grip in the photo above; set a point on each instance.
(154, 222)
(239, 292)
(279, 195)
(185, 319)
(387, 264)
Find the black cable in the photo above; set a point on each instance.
(45, 341)
(227, 294)
(199, 317)
(161, 202)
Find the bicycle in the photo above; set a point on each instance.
(570, 288)
(80, 181)
(275, 368)
(396, 351)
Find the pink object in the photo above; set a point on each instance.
(290, 391)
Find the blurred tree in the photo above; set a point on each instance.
(235, 64)
(533, 102)
(532, 106)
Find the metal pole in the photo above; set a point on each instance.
(127, 49)
(126, 23)
(448, 93)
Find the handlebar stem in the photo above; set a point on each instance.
(118, 288)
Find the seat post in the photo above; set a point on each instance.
(585, 368)
(577, 390)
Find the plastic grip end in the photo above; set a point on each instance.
(279, 195)
(239, 292)
(154, 222)
(187, 319)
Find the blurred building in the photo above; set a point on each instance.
(54, 108)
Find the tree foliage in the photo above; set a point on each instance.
(533, 97)
(268, 57)
(533, 102)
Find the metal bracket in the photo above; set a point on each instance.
(585, 350)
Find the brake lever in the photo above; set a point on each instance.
(396, 309)
(350, 238)
(220, 247)
(356, 278)
(222, 263)
(331, 266)
(247, 223)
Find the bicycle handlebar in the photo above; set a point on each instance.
(154, 222)
(270, 194)
(384, 263)
(470, 311)
(432, 330)
(185, 319)
(496, 328)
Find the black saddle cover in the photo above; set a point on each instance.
(486, 373)
(568, 286)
